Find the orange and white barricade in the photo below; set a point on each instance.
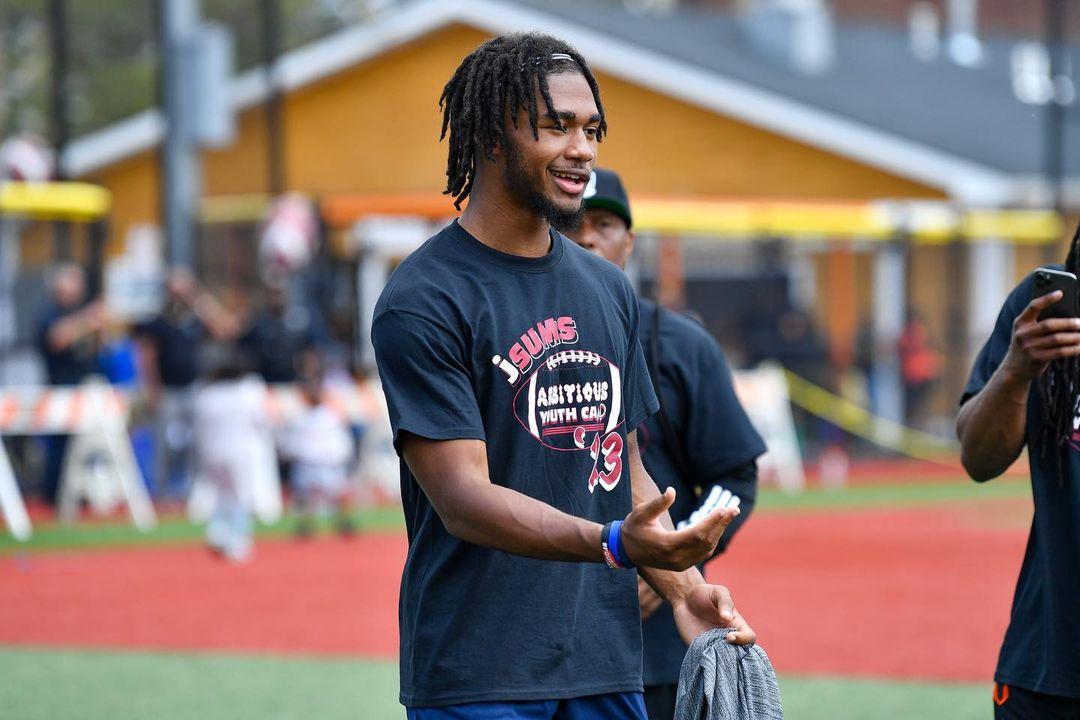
(99, 465)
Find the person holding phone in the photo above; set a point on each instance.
(1023, 390)
(699, 442)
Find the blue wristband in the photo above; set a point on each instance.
(616, 544)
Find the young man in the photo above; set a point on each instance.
(514, 379)
(169, 346)
(700, 442)
(1023, 391)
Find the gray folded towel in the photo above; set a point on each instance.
(721, 681)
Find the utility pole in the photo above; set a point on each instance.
(181, 180)
(1054, 145)
(275, 156)
(60, 128)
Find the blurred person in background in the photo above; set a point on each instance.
(169, 346)
(515, 383)
(69, 336)
(277, 335)
(229, 415)
(700, 442)
(794, 342)
(920, 366)
(319, 445)
(1024, 390)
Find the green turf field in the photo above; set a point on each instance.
(38, 683)
(65, 685)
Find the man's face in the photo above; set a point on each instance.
(70, 288)
(549, 174)
(605, 234)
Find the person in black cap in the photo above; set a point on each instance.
(700, 442)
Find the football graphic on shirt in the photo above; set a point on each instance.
(571, 396)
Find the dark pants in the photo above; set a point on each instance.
(1015, 703)
(55, 447)
(660, 701)
(612, 706)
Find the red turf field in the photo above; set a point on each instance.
(907, 593)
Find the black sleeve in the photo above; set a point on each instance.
(639, 396)
(719, 435)
(426, 378)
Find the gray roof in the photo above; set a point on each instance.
(953, 128)
(876, 81)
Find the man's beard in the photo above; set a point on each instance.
(524, 190)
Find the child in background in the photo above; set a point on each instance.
(320, 446)
(229, 419)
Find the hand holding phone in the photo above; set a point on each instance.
(1046, 281)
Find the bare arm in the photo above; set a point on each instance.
(991, 425)
(222, 324)
(69, 330)
(455, 477)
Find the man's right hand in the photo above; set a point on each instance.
(649, 543)
(1035, 343)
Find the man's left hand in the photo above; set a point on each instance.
(707, 607)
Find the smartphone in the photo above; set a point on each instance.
(1047, 280)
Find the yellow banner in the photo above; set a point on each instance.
(73, 201)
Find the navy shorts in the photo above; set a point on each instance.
(1016, 703)
(613, 706)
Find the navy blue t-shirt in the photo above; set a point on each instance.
(177, 340)
(1041, 650)
(717, 441)
(74, 363)
(539, 357)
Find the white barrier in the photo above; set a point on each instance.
(763, 392)
(99, 465)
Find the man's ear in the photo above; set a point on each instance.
(629, 246)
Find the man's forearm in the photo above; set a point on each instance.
(991, 426)
(497, 517)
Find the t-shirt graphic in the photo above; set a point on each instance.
(540, 359)
(571, 400)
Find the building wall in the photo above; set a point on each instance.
(374, 128)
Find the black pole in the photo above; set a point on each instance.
(1054, 132)
(161, 54)
(275, 156)
(95, 261)
(60, 128)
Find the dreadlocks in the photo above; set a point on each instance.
(500, 77)
(1059, 386)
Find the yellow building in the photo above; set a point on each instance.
(693, 114)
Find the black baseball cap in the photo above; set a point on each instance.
(605, 192)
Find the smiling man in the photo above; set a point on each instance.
(514, 378)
